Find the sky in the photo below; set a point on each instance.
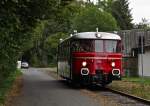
(140, 9)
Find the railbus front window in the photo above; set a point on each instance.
(92, 45)
(112, 46)
(99, 46)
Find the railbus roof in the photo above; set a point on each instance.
(93, 35)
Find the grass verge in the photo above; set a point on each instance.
(145, 80)
(7, 84)
(136, 86)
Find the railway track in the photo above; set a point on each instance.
(114, 98)
(110, 97)
(139, 99)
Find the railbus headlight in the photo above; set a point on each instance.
(113, 64)
(84, 63)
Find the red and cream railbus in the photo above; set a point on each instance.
(90, 58)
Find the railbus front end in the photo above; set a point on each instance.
(93, 58)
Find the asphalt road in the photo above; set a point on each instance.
(40, 89)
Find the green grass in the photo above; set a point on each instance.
(140, 80)
(134, 85)
(52, 65)
(6, 85)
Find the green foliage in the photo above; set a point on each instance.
(70, 16)
(43, 54)
(47, 54)
(144, 24)
(35, 60)
(7, 83)
(51, 45)
(18, 21)
(91, 17)
(67, 14)
(120, 11)
(31, 29)
(63, 19)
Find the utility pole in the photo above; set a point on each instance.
(142, 51)
(142, 43)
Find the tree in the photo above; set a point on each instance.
(18, 20)
(67, 13)
(91, 17)
(144, 24)
(42, 53)
(120, 10)
(50, 47)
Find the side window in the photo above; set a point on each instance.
(74, 46)
(82, 45)
(119, 47)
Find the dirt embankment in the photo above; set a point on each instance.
(14, 91)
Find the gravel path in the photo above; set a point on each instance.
(40, 89)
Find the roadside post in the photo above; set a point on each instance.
(19, 64)
(142, 54)
(141, 46)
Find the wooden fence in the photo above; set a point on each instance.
(130, 39)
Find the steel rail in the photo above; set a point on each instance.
(142, 100)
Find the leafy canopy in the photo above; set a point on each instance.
(91, 17)
(120, 11)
